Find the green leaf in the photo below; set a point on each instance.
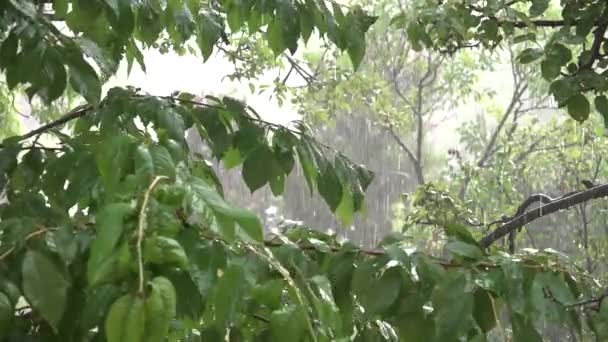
(484, 311)
(247, 220)
(601, 104)
(228, 296)
(461, 233)
(287, 324)
(538, 7)
(209, 32)
(550, 69)
(113, 159)
(109, 227)
(7, 315)
(523, 329)
(346, 209)
(578, 107)
(453, 305)
(559, 54)
(530, 36)
(232, 158)
(274, 35)
(529, 55)
(269, 293)
(386, 288)
(45, 287)
(463, 249)
(83, 78)
(61, 8)
(255, 168)
(163, 162)
(162, 250)
(172, 123)
(329, 186)
(308, 164)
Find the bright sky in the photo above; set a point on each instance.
(170, 72)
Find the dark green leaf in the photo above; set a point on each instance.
(538, 7)
(255, 168)
(529, 55)
(44, 286)
(484, 310)
(578, 107)
(6, 315)
(83, 78)
(329, 186)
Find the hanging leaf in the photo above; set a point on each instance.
(578, 107)
(45, 287)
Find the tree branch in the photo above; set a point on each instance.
(74, 114)
(537, 23)
(564, 202)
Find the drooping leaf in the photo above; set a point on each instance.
(45, 287)
(110, 227)
(578, 107)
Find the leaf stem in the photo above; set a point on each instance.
(141, 227)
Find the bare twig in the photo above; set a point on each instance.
(141, 229)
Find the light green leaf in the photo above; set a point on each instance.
(113, 159)
(163, 162)
(109, 227)
(61, 8)
(45, 287)
(274, 35)
(287, 324)
(228, 296)
(463, 249)
(232, 158)
(346, 209)
(247, 220)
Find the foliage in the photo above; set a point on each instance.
(121, 233)
(572, 59)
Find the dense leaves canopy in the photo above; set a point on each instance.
(119, 232)
(572, 57)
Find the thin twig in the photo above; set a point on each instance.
(142, 228)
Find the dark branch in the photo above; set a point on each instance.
(564, 202)
(74, 114)
(598, 39)
(537, 23)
